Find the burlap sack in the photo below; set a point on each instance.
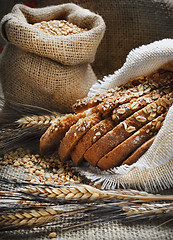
(46, 70)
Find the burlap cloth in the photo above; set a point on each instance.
(129, 25)
(155, 229)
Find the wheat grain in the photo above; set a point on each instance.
(37, 217)
(59, 27)
(40, 169)
(52, 235)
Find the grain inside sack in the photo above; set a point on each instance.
(59, 27)
(49, 52)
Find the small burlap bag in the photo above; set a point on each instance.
(46, 70)
(154, 170)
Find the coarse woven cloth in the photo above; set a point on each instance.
(155, 229)
(113, 230)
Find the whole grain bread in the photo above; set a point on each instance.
(126, 128)
(119, 114)
(111, 121)
(89, 138)
(50, 140)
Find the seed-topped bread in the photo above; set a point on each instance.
(51, 138)
(133, 89)
(119, 114)
(74, 134)
(89, 138)
(108, 124)
(126, 128)
(139, 152)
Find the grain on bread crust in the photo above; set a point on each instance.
(119, 114)
(142, 84)
(89, 138)
(125, 110)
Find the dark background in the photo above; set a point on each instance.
(5, 7)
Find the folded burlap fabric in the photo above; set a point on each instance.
(47, 70)
(153, 171)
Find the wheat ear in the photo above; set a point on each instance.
(35, 120)
(29, 218)
(86, 192)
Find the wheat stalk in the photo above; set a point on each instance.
(155, 208)
(86, 192)
(36, 204)
(106, 212)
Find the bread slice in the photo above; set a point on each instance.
(50, 140)
(82, 105)
(139, 152)
(126, 128)
(122, 151)
(133, 89)
(74, 134)
(90, 102)
(89, 138)
(125, 110)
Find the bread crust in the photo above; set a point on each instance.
(50, 140)
(119, 114)
(105, 102)
(89, 138)
(107, 120)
